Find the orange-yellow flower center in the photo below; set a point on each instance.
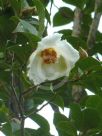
(49, 55)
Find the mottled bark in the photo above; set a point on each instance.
(94, 26)
(77, 22)
(77, 90)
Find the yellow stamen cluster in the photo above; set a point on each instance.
(49, 55)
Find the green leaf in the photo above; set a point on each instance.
(41, 121)
(78, 3)
(63, 16)
(1, 55)
(95, 101)
(29, 104)
(45, 2)
(44, 95)
(67, 127)
(24, 26)
(1, 3)
(41, 132)
(16, 5)
(91, 119)
(98, 36)
(3, 95)
(24, 4)
(89, 6)
(89, 70)
(33, 39)
(3, 117)
(59, 117)
(33, 132)
(47, 15)
(97, 48)
(41, 14)
(15, 124)
(88, 64)
(21, 52)
(58, 101)
(76, 42)
(76, 115)
(6, 28)
(93, 82)
(5, 75)
(64, 125)
(7, 130)
(65, 92)
(28, 132)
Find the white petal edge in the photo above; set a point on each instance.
(50, 40)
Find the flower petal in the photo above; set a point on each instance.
(55, 70)
(50, 40)
(70, 54)
(34, 70)
(39, 72)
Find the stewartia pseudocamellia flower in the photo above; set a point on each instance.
(53, 58)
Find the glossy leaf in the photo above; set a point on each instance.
(91, 119)
(78, 3)
(64, 125)
(23, 23)
(24, 26)
(63, 16)
(7, 129)
(95, 102)
(33, 132)
(41, 15)
(58, 101)
(16, 6)
(76, 115)
(41, 121)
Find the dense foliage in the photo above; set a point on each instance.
(22, 25)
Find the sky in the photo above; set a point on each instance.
(47, 111)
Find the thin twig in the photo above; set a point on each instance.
(37, 110)
(28, 90)
(17, 100)
(94, 26)
(22, 126)
(13, 86)
(49, 13)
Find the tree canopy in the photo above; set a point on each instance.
(23, 23)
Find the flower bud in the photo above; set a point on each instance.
(83, 53)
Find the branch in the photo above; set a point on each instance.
(29, 90)
(37, 110)
(13, 86)
(77, 22)
(94, 26)
(22, 126)
(17, 99)
(77, 90)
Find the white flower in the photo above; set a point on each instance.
(53, 58)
